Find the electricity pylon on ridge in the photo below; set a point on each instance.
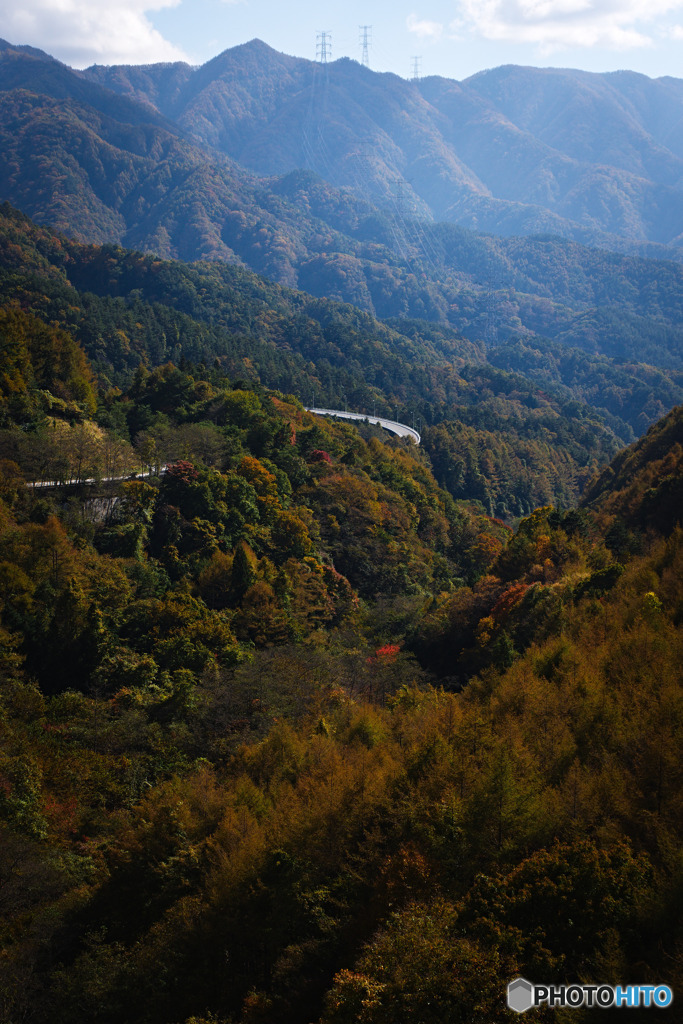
(323, 47)
(365, 41)
(416, 68)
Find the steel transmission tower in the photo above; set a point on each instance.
(323, 47)
(416, 68)
(402, 200)
(365, 40)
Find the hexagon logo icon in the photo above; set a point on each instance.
(520, 995)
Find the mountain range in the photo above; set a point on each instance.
(158, 158)
(225, 163)
(597, 158)
(513, 150)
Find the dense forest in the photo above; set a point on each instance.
(494, 436)
(302, 722)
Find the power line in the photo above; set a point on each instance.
(416, 68)
(365, 40)
(318, 158)
(323, 46)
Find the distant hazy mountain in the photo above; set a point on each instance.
(513, 150)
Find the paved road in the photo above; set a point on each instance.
(396, 428)
(92, 480)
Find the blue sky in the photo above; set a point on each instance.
(455, 38)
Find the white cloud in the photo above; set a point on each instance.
(82, 32)
(556, 24)
(431, 30)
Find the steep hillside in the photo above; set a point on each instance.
(42, 370)
(643, 486)
(220, 752)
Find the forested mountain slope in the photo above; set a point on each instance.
(493, 436)
(512, 150)
(220, 754)
(106, 168)
(642, 485)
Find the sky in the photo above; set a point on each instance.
(453, 38)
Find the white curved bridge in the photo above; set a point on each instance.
(396, 428)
